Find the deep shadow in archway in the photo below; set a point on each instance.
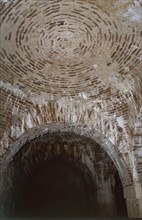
(57, 189)
(120, 200)
(63, 174)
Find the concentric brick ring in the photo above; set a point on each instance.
(59, 41)
(60, 36)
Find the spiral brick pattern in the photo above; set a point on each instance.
(56, 46)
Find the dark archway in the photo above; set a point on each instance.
(120, 200)
(57, 188)
(77, 163)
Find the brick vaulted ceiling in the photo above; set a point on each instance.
(83, 55)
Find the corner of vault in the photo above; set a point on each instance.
(67, 111)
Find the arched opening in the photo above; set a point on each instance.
(62, 174)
